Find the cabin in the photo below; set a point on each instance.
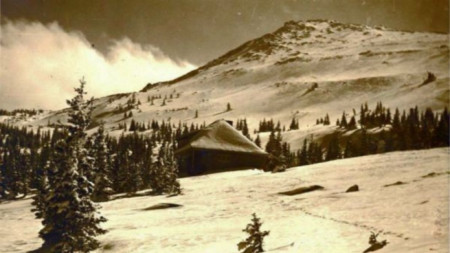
(216, 148)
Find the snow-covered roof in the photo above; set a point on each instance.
(220, 135)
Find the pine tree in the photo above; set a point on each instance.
(133, 126)
(245, 130)
(228, 107)
(303, 156)
(103, 184)
(42, 189)
(164, 173)
(293, 125)
(333, 151)
(258, 141)
(343, 121)
(441, 135)
(71, 220)
(326, 121)
(132, 181)
(254, 243)
(352, 124)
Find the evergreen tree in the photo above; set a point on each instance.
(228, 107)
(349, 150)
(333, 151)
(71, 220)
(343, 121)
(165, 172)
(42, 189)
(294, 124)
(254, 243)
(245, 130)
(326, 121)
(100, 152)
(441, 135)
(132, 181)
(352, 124)
(303, 156)
(258, 141)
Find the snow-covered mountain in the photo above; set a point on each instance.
(304, 70)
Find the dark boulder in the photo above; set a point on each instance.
(161, 206)
(302, 190)
(353, 188)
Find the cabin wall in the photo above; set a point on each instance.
(200, 161)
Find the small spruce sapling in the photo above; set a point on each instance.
(374, 243)
(254, 243)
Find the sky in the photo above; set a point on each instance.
(120, 46)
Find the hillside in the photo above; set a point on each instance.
(304, 70)
(215, 208)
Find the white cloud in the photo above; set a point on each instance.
(40, 65)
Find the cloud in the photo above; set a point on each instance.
(40, 65)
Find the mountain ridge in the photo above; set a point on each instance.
(303, 70)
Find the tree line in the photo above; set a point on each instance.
(69, 170)
(409, 130)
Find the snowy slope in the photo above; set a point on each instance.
(304, 69)
(215, 208)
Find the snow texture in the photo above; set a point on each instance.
(412, 216)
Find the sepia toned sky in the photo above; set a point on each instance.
(138, 41)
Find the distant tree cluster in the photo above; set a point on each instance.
(68, 170)
(269, 126)
(241, 125)
(408, 130)
(310, 153)
(279, 152)
(28, 112)
(324, 121)
(137, 161)
(128, 163)
(294, 124)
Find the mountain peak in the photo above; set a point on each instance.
(307, 41)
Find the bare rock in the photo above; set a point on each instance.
(302, 190)
(161, 206)
(353, 188)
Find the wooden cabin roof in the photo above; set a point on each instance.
(220, 135)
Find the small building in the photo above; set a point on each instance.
(215, 148)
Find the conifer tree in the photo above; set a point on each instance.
(258, 141)
(245, 130)
(294, 124)
(303, 156)
(326, 121)
(100, 152)
(71, 220)
(343, 121)
(132, 181)
(255, 240)
(333, 151)
(441, 135)
(352, 124)
(164, 173)
(42, 189)
(228, 107)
